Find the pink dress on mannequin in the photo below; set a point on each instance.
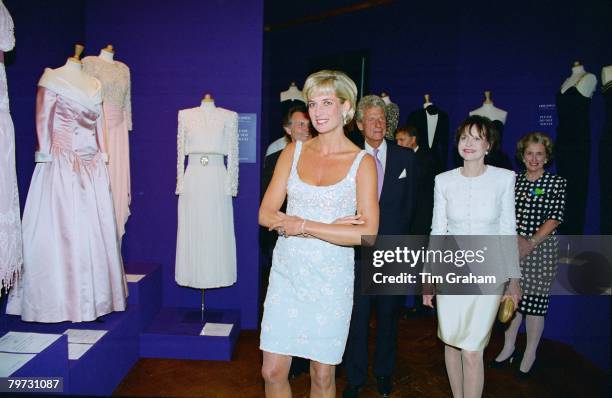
(116, 93)
(72, 269)
(11, 256)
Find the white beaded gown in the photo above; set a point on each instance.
(206, 244)
(307, 311)
(11, 257)
(482, 205)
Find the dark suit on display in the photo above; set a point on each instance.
(397, 204)
(439, 146)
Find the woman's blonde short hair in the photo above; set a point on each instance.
(336, 82)
(535, 138)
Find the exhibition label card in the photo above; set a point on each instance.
(133, 278)
(84, 336)
(22, 342)
(76, 350)
(217, 329)
(10, 363)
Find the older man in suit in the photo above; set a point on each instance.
(397, 173)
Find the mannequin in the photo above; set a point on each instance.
(392, 116)
(605, 153)
(573, 144)
(583, 81)
(116, 89)
(432, 126)
(72, 264)
(496, 157)
(206, 245)
(72, 71)
(291, 94)
(11, 252)
(489, 110)
(107, 53)
(289, 99)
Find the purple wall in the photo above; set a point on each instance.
(176, 53)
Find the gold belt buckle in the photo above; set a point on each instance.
(204, 160)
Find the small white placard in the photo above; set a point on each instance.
(23, 342)
(84, 336)
(217, 329)
(133, 278)
(76, 350)
(10, 363)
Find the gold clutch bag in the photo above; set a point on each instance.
(506, 310)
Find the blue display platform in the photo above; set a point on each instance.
(143, 330)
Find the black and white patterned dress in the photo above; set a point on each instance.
(536, 202)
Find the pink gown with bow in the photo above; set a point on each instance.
(72, 269)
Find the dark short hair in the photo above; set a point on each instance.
(291, 111)
(482, 125)
(535, 138)
(408, 129)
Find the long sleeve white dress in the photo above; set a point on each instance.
(206, 245)
(482, 205)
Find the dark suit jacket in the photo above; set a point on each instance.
(439, 147)
(421, 224)
(398, 196)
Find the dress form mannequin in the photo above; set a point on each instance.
(72, 71)
(206, 247)
(392, 116)
(606, 75)
(432, 118)
(573, 144)
(583, 81)
(116, 89)
(605, 152)
(11, 252)
(291, 94)
(107, 53)
(73, 269)
(489, 110)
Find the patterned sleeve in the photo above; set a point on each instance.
(127, 104)
(557, 200)
(180, 155)
(231, 136)
(7, 35)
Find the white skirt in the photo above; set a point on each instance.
(206, 245)
(466, 321)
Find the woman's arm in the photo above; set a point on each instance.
(342, 234)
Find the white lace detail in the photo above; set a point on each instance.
(116, 86)
(180, 155)
(7, 28)
(231, 130)
(213, 131)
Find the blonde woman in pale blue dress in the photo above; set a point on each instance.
(331, 191)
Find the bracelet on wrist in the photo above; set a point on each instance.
(302, 227)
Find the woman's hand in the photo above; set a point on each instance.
(525, 247)
(513, 291)
(287, 225)
(349, 220)
(428, 294)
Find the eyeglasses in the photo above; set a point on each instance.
(301, 123)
